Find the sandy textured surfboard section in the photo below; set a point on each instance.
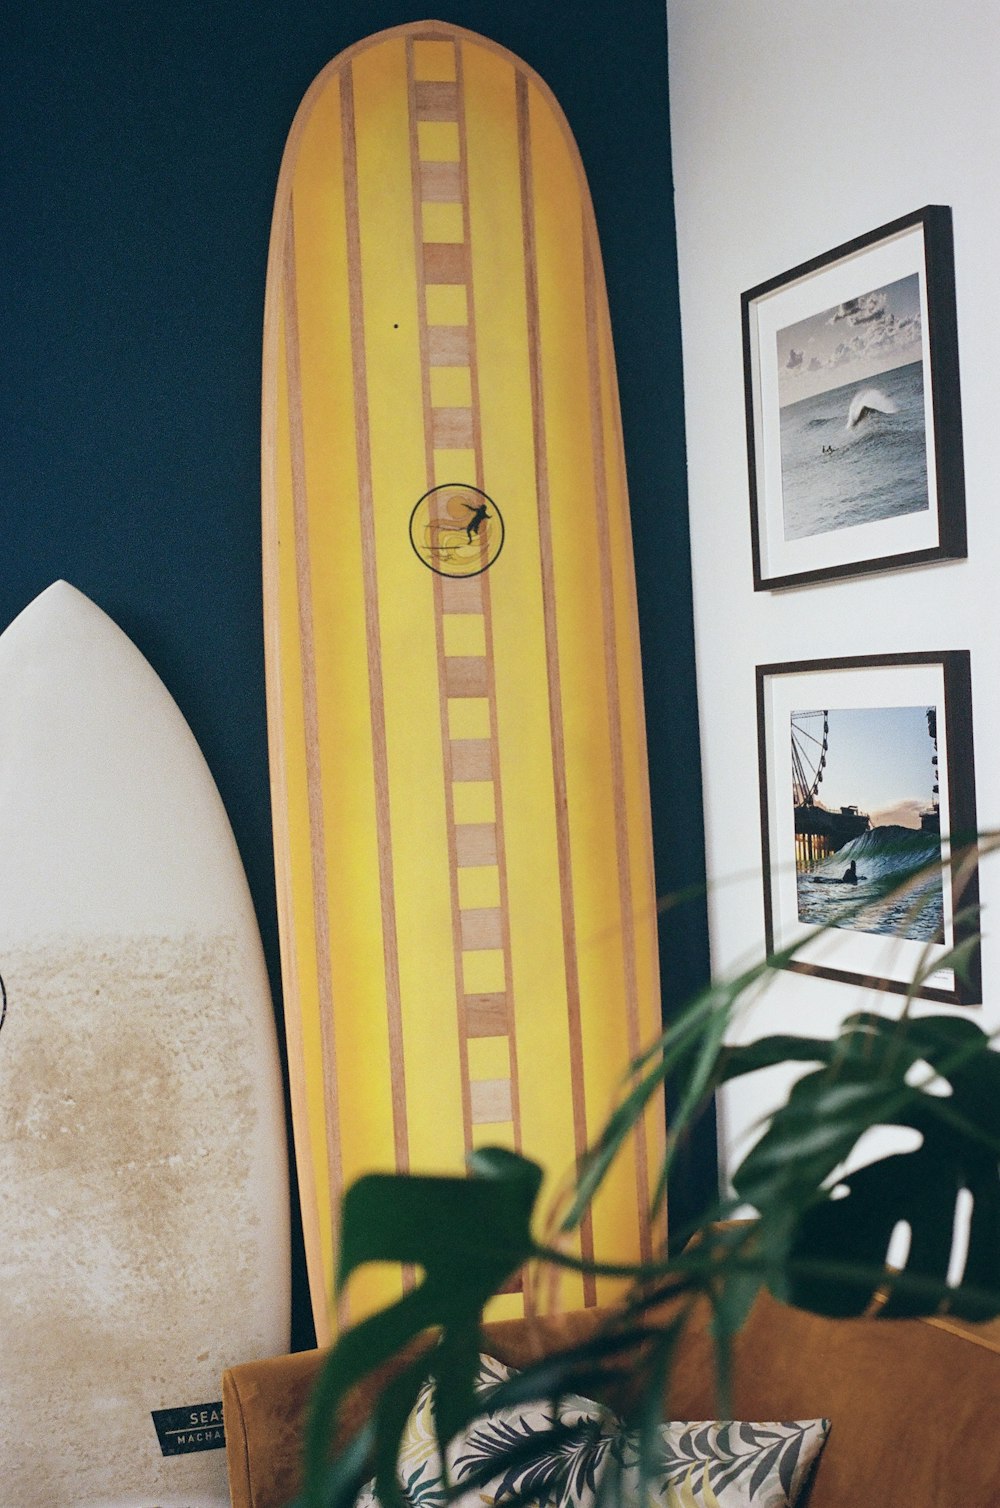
(459, 778)
(130, 1115)
(143, 1194)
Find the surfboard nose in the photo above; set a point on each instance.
(61, 603)
(63, 594)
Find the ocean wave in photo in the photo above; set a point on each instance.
(884, 859)
(855, 454)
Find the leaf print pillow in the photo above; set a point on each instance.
(538, 1452)
(727, 1464)
(531, 1442)
(421, 1476)
(557, 1456)
(579, 1449)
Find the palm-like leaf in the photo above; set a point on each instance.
(720, 1454)
(543, 1458)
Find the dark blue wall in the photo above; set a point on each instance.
(141, 147)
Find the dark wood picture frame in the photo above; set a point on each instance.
(918, 244)
(954, 785)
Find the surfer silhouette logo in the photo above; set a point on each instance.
(479, 517)
(456, 530)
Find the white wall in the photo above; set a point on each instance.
(797, 125)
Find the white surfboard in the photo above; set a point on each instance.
(143, 1177)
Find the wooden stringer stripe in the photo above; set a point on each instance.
(443, 668)
(552, 666)
(314, 779)
(626, 907)
(477, 932)
(491, 693)
(390, 946)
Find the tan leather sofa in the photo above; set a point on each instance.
(915, 1404)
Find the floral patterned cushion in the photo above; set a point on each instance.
(705, 1464)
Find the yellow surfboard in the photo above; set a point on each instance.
(458, 759)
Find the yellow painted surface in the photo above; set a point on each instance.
(381, 648)
(643, 886)
(353, 910)
(483, 971)
(464, 634)
(443, 222)
(475, 801)
(447, 304)
(479, 885)
(506, 1305)
(518, 616)
(299, 951)
(451, 387)
(468, 717)
(489, 1058)
(455, 466)
(438, 141)
(582, 643)
(406, 618)
(433, 60)
(497, 1134)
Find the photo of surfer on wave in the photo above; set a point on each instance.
(867, 819)
(852, 417)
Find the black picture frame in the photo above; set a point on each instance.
(876, 707)
(838, 490)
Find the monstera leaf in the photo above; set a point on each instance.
(465, 1237)
(936, 1076)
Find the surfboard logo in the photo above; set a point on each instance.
(456, 530)
(3, 1002)
(183, 1430)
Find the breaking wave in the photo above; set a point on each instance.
(870, 400)
(884, 853)
(886, 858)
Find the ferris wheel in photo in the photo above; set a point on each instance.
(810, 741)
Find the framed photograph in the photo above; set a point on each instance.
(868, 820)
(854, 423)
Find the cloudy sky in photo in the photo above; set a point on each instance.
(852, 342)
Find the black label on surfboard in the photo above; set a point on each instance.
(198, 1427)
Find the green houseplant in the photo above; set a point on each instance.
(818, 1240)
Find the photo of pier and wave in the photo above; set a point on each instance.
(867, 820)
(852, 418)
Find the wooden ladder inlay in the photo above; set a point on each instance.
(467, 681)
